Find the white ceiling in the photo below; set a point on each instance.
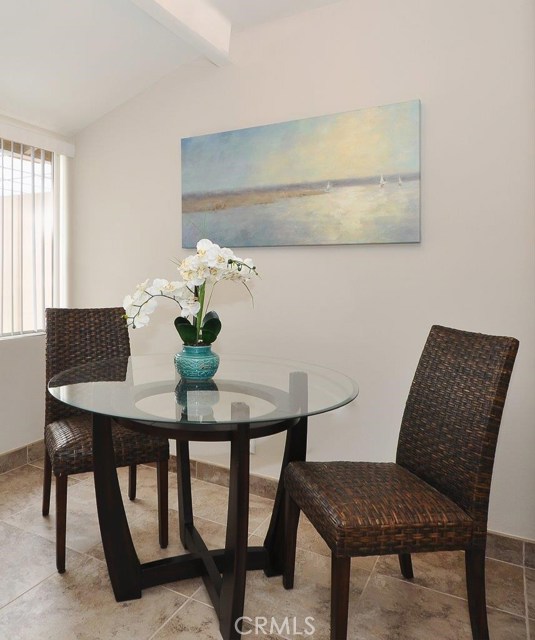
(65, 63)
(245, 13)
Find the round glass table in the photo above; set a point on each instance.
(249, 397)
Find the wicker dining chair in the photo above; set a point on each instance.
(435, 497)
(75, 337)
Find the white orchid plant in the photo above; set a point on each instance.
(199, 273)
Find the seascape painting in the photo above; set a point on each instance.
(347, 178)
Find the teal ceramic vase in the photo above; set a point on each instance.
(196, 362)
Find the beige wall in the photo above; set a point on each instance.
(365, 310)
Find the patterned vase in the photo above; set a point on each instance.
(196, 362)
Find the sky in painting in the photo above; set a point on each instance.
(368, 142)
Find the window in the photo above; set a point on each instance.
(28, 252)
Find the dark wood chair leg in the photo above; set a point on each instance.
(132, 481)
(475, 585)
(47, 484)
(340, 574)
(405, 564)
(291, 522)
(162, 469)
(61, 521)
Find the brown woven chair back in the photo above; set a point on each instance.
(79, 336)
(450, 425)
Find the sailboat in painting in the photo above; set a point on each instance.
(382, 181)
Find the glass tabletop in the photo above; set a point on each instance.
(245, 389)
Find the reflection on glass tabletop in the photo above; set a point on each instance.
(245, 389)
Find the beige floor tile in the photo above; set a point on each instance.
(213, 533)
(210, 501)
(26, 559)
(442, 571)
(82, 520)
(505, 587)
(197, 621)
(504, 626)
(144, 531)
(201, 595)
(445, 572)
(40, 463)
(146, 484)
(254, 541)
(36, 603)
(19, 488)
(261, 530)
(310, 597)
(504, 548)
(307, 537)
(82, 477)
(310, 540)
(194, 621)
(264, 629)
(391, 609)
(79, 605)
(146, 487)
(83, 531)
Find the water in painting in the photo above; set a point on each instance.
(348, 178)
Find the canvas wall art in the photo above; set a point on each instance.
(347, 178)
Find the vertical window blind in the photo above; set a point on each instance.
(27, 237)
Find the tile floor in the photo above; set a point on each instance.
(36, 603)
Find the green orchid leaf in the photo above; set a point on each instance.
(181, 321)
(209, 316)
(210, 328)
(185, 330)
(208, 336)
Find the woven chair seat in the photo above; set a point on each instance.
(70, 447)
(376, 508)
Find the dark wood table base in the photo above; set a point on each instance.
(222, 570)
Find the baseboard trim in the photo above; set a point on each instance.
(23, 455)
(259, 485)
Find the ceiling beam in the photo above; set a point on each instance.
(198, 23)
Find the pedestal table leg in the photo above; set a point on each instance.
(123, 564)
(185, 507)
(234, 575)
(296, 444)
